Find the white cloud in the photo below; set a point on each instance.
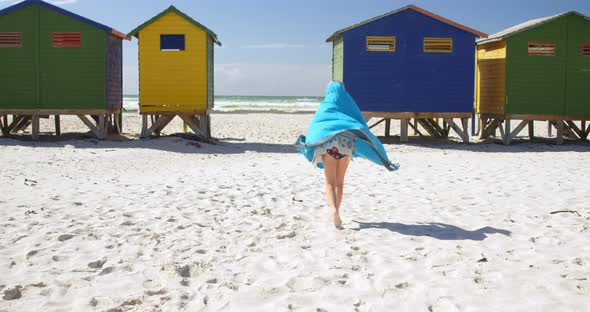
(273, 46)
(271, 79)
(256, 79)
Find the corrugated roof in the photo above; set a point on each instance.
(409, 7)
(25, 3)
(526, 26)
(173, 9)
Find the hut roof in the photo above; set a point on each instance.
(526, 26)
(409, 7)
(173, 9)
(25, 3)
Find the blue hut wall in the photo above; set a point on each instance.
(409, 79)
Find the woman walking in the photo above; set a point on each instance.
(337, 133)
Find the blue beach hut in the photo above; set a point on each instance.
(409, 64)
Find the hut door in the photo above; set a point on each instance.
(578, 67)
(18, 59)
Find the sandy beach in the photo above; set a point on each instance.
(171, 224)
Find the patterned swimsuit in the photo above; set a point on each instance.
(338, 147)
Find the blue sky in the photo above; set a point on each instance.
(278, 47)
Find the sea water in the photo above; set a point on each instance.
(279, 104)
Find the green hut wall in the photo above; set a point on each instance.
(41, 76)
(549, 85)
(578, 67)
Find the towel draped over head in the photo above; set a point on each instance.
(338, 113)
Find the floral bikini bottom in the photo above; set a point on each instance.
(338, 147)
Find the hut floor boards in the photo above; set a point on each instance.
(565, 126)
(429, 122)
(154, 123)
(103, 122)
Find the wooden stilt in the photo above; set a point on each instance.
(89, 124)
(506, 132)
(586, 131)
(102, 127)
(462, 134)
(549, 129)
(387, 127)
(465, 122)
(415, 127)
(559, 132)
(35, 134)
(2, 124)
(532, 130)
(57, 125)
(404, 130)
(204, 121)
(144, 126)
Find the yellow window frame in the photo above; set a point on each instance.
(438, 45)
(376, 43)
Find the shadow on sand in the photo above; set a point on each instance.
(518, 145)
(439, 231)
(178, 143)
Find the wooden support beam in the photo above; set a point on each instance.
(403, 130)
(512, 134)
(585, 130)
(464, 135)
(377, 123)
(416, 130)
(465, 122)
(532, 130)
(549, 129)
(490, 129)
(102, 127)
(506, 132)
(144, 126)
(160, 123)
(5, 118)
(205, 122)
(117, 121)
(193, 123)
(35, 133)
(559, 132)
(387, 127)
(16, 119)
(2, 125)
(57, 125)
(89, 124)
(574, 128)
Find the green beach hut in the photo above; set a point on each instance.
(55, 62)
(538, 70)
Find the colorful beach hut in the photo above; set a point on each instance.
(55, 62)
(538, 70)
(409, 64)
(175, 72)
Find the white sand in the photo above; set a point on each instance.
(458, 228)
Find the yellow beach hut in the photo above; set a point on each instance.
(175, 72)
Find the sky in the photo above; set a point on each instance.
(277, 47)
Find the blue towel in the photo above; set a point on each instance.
(338, 113)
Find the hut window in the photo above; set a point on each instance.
(538, 48)
(67, 40)
(172, 43)
(380, 44)
(11, 40)
(586, 50)
(438, 45)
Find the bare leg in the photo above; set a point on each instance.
(330, 171)
(340, 173)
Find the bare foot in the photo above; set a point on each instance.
(336, 219)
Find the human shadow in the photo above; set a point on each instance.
(436, 230)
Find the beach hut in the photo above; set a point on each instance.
(55, 62)
(175, 72)
(538, 70)
(409, 64)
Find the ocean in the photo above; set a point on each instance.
(236, 104)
